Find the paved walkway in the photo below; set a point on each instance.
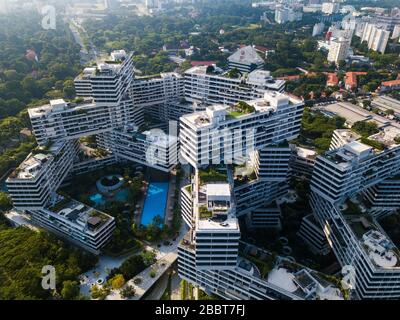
(18, 218)
(99, 273)
(176, 287)
(169, 210)
(143, 281)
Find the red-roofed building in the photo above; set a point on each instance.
(351, 79)
(202, 63)
(332, 79)
(390, 85)
(290, 78)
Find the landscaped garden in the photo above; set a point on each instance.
(240, 109)
(119, 203)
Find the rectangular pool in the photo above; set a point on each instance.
(155, 202)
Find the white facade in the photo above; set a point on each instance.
(330, 7)
(203, 87)
(376, 37)
(286, 14)
(220, 124)
(245, 59)
(338, 50)
(346, 173)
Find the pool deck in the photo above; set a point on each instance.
(169, 213)
(169, 208)
(138, 217)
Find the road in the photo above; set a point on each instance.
(87, 54)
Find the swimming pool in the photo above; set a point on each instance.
(155, 202)
(99, 200)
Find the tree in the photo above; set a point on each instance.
(117, 281)
(5, 201)
(149, 257)
(365, 128)
(70, 290)
(128, 292)
(99, 292)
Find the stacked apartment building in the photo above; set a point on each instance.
(111, 107)
(211, 255)
(362, 174)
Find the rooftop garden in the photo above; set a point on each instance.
(211, 174)
(365, 128)
(98, 214)
(373, 143)
(351, 209)
(233, 73)
(316, 130)
(204, 212)
(60, 204)
(264, 264)
(242, 179)
(240, 109)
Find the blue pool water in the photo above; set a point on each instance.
(155, 202)
(99, 200)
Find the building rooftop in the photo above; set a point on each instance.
(391, 83)
(217, 114)
(218, 190)
(246, 55)
(79, 213)
(332, 79)
(347, 134)
(31, 166)
(385, 103)
(109, 66)
(380, 249)
(58, 105)
(36, 161)
(305, 153)
(353, 114)
(352, 151)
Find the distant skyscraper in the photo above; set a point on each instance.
(376, 37)
(318, 29)
(338, 50)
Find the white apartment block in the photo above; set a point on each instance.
(376, 36)
(286, 14)
(66, 121)
(32, 185)
(212, 88)
(208, 256)
(109, 81)
(383, 198)
(312, 234)
(85, 226)
(340, 137)
(152, 148)
(348, 172)
(272, 163)
(330, 7)
(338, 50)
(301, 162)
(224, 133)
